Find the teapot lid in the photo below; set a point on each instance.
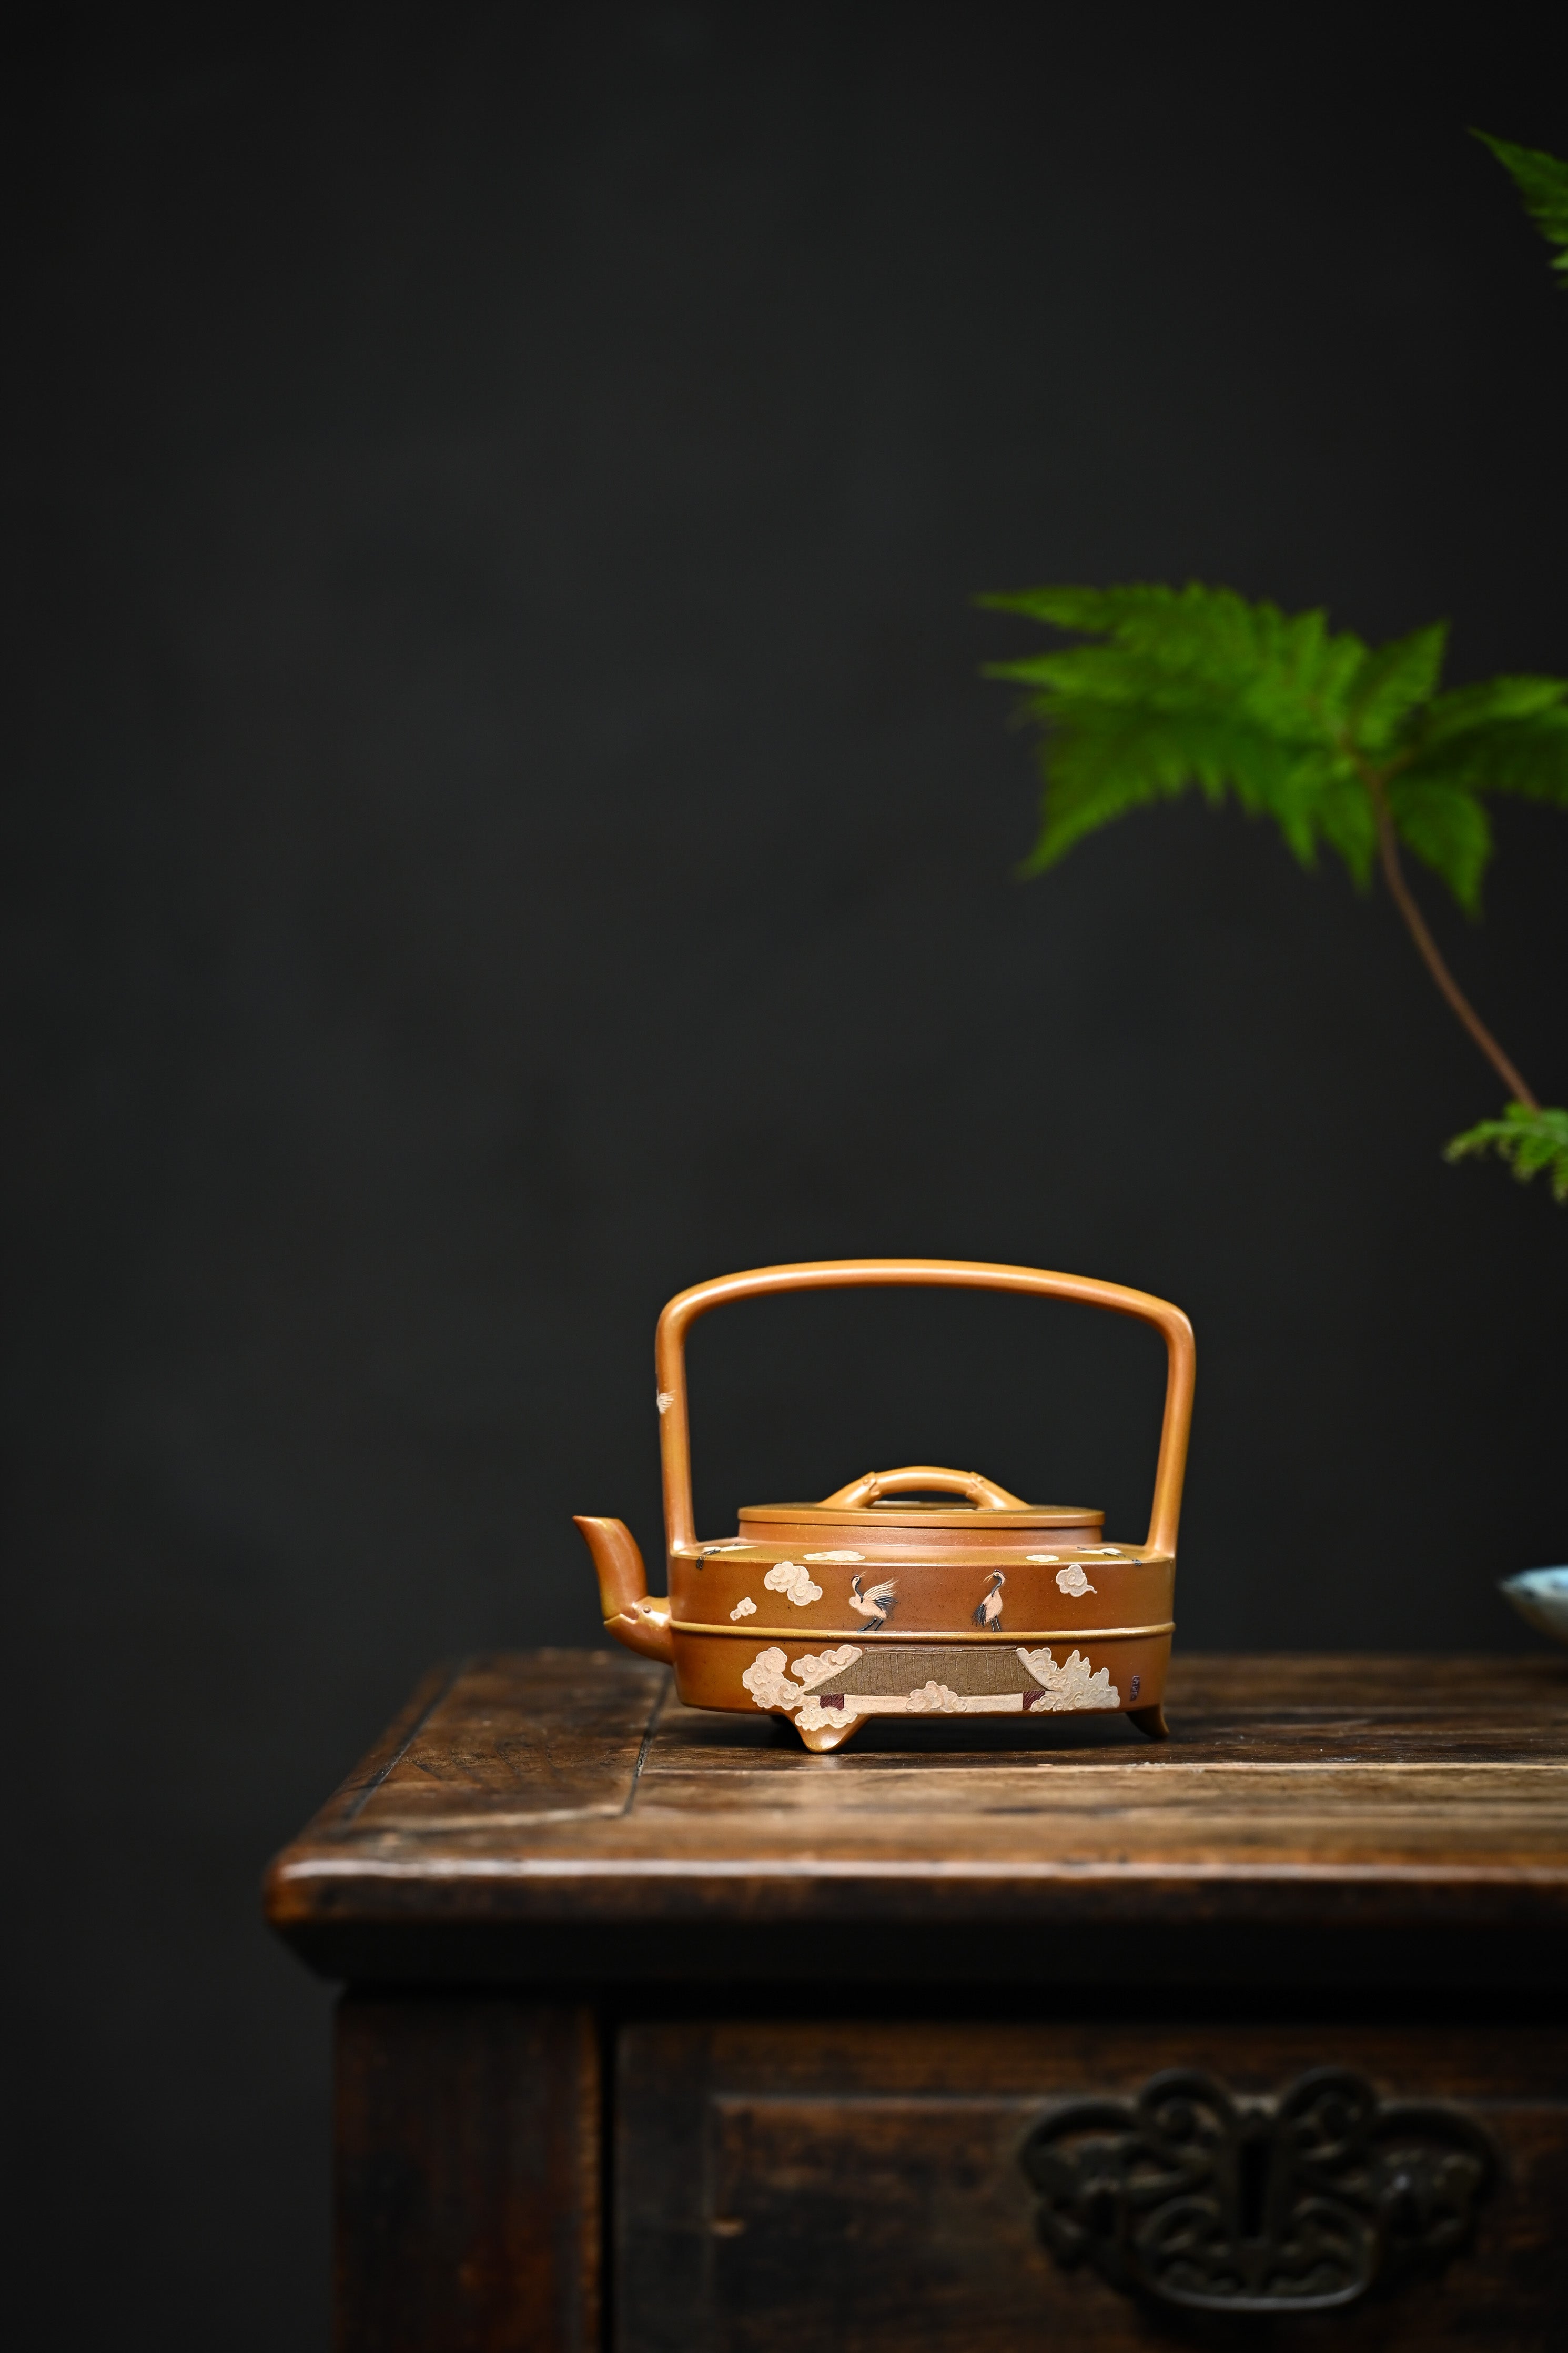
(897, 1499)
(904, 1511)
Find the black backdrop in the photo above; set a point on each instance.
(511, 825)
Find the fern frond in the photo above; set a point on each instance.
(1196, 688)
(1529, 1141)
(1193, 688)
(1106, 758)
(1448, 829)
(1343, 810)
(1543, 182)
(1096, 611)
(1464, 707)
(1393, 682)
(1527, 755)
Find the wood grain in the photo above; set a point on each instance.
(1347, 1841)
(551, 1789)
(856, 2184)
(467, 2167)
(492, 1743)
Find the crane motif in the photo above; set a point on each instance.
(878, 1605)
(989, 1612)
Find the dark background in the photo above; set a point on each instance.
(510, 824)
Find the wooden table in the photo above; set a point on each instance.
(661, 2034)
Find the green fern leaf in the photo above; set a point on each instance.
(1096, 611)
(1448, 829)
(1106, 759)
(1393, 682)
(1099, 773)
(1528, 1140)
(1526, 755)
(1343, 810)
(1543, 181)
(1463, 708)
(1193, 688)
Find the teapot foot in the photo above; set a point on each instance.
(1150, 1720)
(828, 1736)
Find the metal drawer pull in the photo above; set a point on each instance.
(1186, 2196)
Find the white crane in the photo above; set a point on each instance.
(989, 1612)
(878, 1605)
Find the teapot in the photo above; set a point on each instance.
(917, 1591)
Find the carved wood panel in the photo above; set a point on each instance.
(874, 2186)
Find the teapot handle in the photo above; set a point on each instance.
(949, 1273)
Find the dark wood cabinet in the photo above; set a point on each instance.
(862, 2184)
(660, 2034)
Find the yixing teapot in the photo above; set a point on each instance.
(881, 1601)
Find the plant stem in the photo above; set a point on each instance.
(1416, 924)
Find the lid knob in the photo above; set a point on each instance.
(983, 1493)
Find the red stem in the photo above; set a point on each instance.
(1416, 924)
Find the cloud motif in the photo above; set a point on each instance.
(767, 1682)
(935, 1699)
(744, 1607)
(788, 1577)
(813, 1671)
(1073, 1580)
(1068, 1687)
(812, 1718)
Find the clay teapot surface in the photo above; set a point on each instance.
(917, 1591)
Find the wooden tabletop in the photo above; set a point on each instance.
(559, 1813)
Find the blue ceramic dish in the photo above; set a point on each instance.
(1541, 1596)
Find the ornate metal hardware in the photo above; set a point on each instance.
(1192, 2198)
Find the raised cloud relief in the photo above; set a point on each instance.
(766, 1681)
(790, 1578)
(770, 1687)
(995, 1684)
(1071, 1685)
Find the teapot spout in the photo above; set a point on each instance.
(641, 1623)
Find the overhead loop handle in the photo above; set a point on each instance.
(913, 1480)
(948, 1273)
